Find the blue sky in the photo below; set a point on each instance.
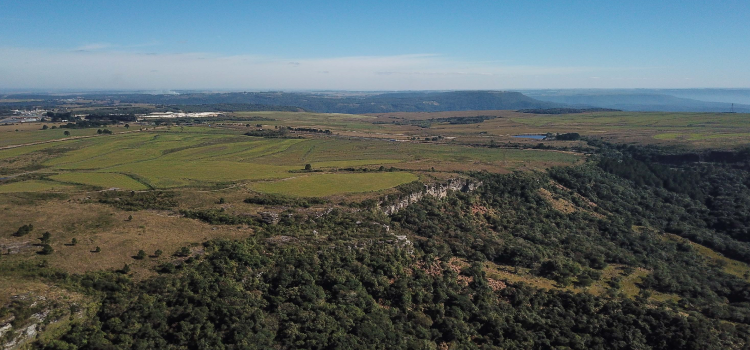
(374, 45)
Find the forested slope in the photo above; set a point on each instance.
(347, 280)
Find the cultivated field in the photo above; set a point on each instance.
(701, 130)
(202, 157)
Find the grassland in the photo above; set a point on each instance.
(627, 285)
(93, 225)
(330, 184)
(701, 130)
(32, 132)
(34, 186)
(101, 180)
(201, 156)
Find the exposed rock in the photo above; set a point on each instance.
(435, 190)
(269, 217)
(280, 239)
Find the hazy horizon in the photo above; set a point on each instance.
(388, 46)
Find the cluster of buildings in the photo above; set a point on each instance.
(23, 116)
(181, 115)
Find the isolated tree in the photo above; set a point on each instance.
(130, 217)
(141, 255)
(158, 253)
(24, 230)
(46, 249)
(183, 252)
(125, 269)
(73, 241)
(127, 126)
(45, 237)
(66, 133)
(222, 201)
(99, 131)
(97, 249)
(308, 167)
(45, 127)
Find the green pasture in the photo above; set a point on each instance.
(105, 180)
(180, 173)
(321, 185)
(8, 135)
(34, 186)
(459, 153)
(702, 136)
(654, 120)
(345, 153)
(338, 150)
(18, 151)
(316, 120)
(203, 157)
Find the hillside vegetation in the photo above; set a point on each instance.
(581, 257)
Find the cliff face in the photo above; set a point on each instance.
(435, 190)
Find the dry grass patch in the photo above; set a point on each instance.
(730, 266)
(559, 204)
(628, 281)
(94, 224)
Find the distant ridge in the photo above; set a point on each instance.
(566, 110)
(336, 103)
(633, 100)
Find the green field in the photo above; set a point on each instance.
(105, 180)
(33, 133)
(34, 186)
(206, 157)
(330, 184)
(689, 129)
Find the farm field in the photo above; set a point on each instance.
(204, 157)
(34, 186)
(100, 180)
(31, 132)
(701, 130)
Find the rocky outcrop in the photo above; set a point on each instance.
(38, 314)
(269, 217)
(435, 190)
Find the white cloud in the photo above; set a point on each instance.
(98, 66)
